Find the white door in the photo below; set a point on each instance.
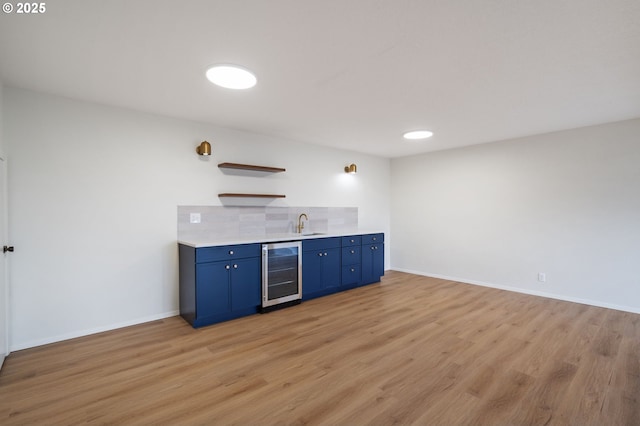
(4, 291)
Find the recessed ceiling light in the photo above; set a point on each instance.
(231, 77)
(418, 134)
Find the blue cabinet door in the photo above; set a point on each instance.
(331, 271)
(245, 284)
(367, 263)
(378, 261)
(372, 263)
(311, 272)
(212, 289)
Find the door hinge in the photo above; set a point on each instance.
(7, 248)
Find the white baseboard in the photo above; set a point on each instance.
(597, 303)
(73, 335)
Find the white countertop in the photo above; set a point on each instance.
(208, 241)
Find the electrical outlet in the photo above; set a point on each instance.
(542, 277)
(194, 217)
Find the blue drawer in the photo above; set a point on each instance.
(351, 240)
(351, 274)
(351, 255)
(372, 238)
(213, 254)
(320, 243)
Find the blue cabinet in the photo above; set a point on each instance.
(219, 283)
(225, 282)
(372, 258)
(320, 267)
(351, 261)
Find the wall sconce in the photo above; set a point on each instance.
(204, 148)
(351, 168)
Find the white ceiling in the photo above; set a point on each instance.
(352, 74)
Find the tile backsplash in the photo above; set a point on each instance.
(229, 222)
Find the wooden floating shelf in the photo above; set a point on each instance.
(251, 167)
(231, 194)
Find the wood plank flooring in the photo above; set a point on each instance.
(411, 350)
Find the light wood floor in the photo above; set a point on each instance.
(411, 350)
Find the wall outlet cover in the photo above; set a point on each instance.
(194, 218)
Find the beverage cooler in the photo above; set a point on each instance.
(281, 275)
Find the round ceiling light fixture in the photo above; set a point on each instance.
(417, 134)
(231, 76)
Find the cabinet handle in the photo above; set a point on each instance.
(372, 248)
(353, 252)
(231, 252)
(326, 254)
(320, 254)
(353, 270)
(353, 241)
(375, 239)
(226, 266)
(235, 266)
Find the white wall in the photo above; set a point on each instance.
(94, 192)
(566, 204)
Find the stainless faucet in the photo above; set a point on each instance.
(300, 223)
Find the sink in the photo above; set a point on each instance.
(313, 233)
